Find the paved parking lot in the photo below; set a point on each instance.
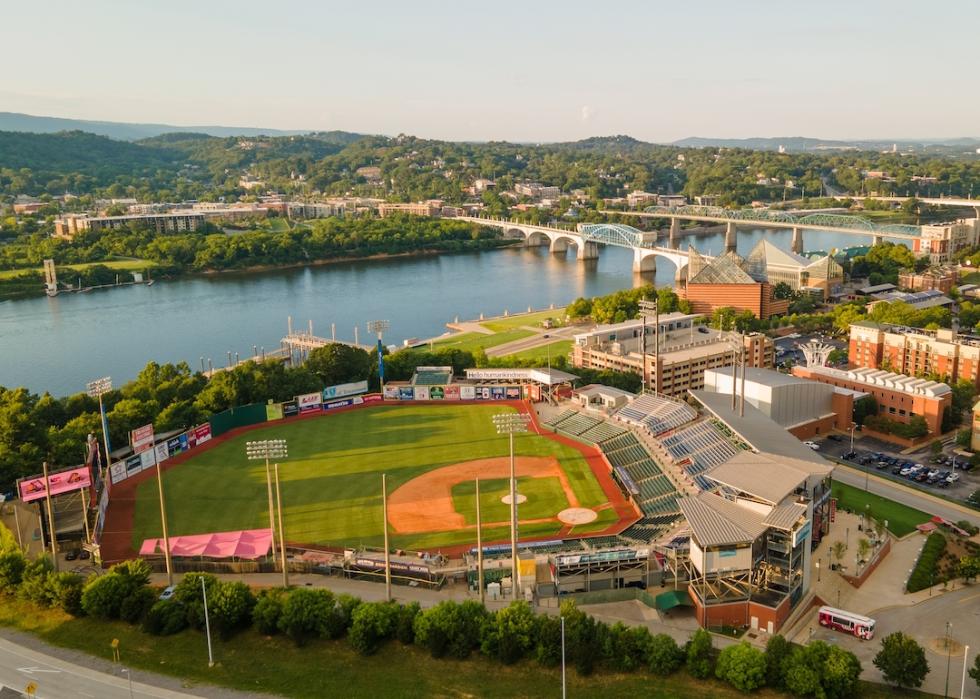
(865, 447)
(787, 348)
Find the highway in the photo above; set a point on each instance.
(57, 677)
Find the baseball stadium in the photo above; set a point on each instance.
(331, 482)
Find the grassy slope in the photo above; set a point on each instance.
(250, 662)
(331, 481)
(530, 319)
(474, 341)
(902, 519)
(561, 348)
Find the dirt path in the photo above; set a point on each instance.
(425, 504)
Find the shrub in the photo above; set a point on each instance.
(821, 670)
(902, 661)
(841, 673)
(742, 666)
(267, 610)
(700, 662)
(451, 628)
(547, 651)
(509, 634)
(137, 571)
(230, 607)
(137, 604)
(339, 619)
(188, 593)
(34, 582)
(165, 618)
(12, 565)
(778, 652)
(371, 625)
(581, 638)
(923, 575)
(305, 614)
(405, 629)
(625, 648)
(66, 592)
(103, 596)
(664, 656)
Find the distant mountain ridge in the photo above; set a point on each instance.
(125, 131)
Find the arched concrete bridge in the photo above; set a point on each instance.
(732, 218)
(586, 239)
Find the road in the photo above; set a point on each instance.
(58, 673)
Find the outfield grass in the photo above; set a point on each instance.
(474, 341)
(122, 265)
(530, 319)
(331, 482)
(902, 519)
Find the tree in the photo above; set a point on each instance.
(12, 565)
(968, 567)
(840, 673)
(864, 548)
(305, 612)
(450, 628)
(230, 607)
(664, 656)
(782, 291)
(975, 670)
(838, 549)
(778, 652)
(625, 648)
(267, 610)
(902, 661)
(699, 662)
(337, 363)
(371, 625)
(742, 666)
(509, 634)
(581, 638)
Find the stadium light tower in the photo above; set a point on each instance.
(97, 389)
(268, 449)
(378, 327)
(511, 424)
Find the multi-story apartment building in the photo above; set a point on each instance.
(686, 349)
(536, 190)
(933, 279)
(176, 221)
(942, 241)
(433, 207)
(915, 351)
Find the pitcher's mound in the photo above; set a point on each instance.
(520, 499)
(577, 515)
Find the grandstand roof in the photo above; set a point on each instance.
(598, 389)
(785, 516)
(759, 431)
(716, 521)
(762, 475)
(432, 376)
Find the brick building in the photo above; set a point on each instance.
(933, 279)
(914, 351)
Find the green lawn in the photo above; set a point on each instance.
(545, 498)
(561, 348)
(474, 341)
(529, 319)
(124, 265)
(902, 519)
(253, 663)
(331, 482)
(971, 278)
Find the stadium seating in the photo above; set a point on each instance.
(602, 433)
(702, 443)
(657, 413)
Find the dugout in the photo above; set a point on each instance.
(602, 570)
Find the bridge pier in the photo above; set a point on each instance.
(675, 231)
(588, 250)
(877, 240)
(797, 245)
(643, 262)
(559, 246)
(731, 237)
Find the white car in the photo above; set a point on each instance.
(952, 478)
(813, 445)
(167, 593)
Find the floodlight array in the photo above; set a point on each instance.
(99, 386)
(511, 423)
(266, 449)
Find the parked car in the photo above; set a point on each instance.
(897, 470)
(952, 478)
(812, 445)
(167, 593)
(71, 554)
(907, 471)
(835, 438)
(880, 465)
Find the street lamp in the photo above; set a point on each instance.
(511, 424)
(97, 389)
(818, 570)
(378, 327)
(949, 627)
(268, 449)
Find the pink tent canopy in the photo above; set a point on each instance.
(251, 544)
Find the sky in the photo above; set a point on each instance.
(518, 71)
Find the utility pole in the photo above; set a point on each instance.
(479, 547)
(384, 514)
(265, 449)
(509, 424)
(52, 537)
(282, 535)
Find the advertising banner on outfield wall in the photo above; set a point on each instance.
(273, 411)
(344, 389)
(289, 408)
(134, 464)
(309, 402)
(513, 392)
(452, 392)
(391, 393)
(406, 393)
(421, 393)
(199, 435)
(467, 392)
(117, 472)
(141, 438)
(437, 393)
(498, 392)
(178, 444)
(31, 489)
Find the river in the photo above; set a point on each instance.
(58, 344)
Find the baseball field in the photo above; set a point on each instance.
(432, 454)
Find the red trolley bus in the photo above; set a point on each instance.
(839, 620)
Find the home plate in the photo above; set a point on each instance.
(520, 499)
(578, 515)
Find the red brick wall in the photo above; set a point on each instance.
(815, 427)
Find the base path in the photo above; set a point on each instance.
(425, 504)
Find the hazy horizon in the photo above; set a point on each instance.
(518, 72)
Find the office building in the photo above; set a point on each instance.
(941, 279)
(915, 351)
(942, 241)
